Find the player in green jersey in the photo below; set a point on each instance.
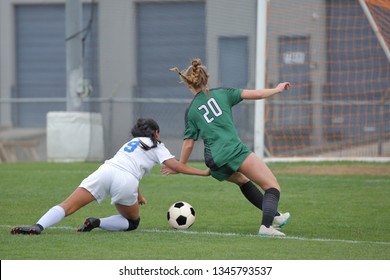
(209, 116)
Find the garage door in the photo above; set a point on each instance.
(41, 61)
(168, 34)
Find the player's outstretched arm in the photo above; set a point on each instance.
(186, 150)
(264, 93)
(173, 166)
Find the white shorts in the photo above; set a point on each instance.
(107, 180)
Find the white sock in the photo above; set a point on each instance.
(114, 223)
(55, 215)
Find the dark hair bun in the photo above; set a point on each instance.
(146, 128)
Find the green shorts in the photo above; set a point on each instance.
(225, 171)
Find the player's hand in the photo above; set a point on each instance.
(167, 171)
(283, 86)
(141, 200)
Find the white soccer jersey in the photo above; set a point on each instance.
(132, 158)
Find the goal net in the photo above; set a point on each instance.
(336, 55)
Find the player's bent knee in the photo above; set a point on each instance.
(133, 224)
(274, 191)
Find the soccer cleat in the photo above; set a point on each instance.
(31, 230)
(280, 221)
(89, 224)
(271, 231)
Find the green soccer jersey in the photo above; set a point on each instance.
(210, 117)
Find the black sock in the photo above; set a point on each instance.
(41, 227)
(270, 206)
(253, 195)
(133, 224)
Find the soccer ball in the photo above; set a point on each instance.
(181, 215)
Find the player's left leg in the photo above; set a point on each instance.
(248, 189)
(79, 198)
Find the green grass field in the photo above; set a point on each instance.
(335, 215)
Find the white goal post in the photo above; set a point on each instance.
(261, 44)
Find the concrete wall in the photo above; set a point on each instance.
(117, 51)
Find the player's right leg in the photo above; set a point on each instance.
(124, 195)
(127, 220)
(89, 224)
(257, 171)
(254, 196)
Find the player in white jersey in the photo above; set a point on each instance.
(118, 177)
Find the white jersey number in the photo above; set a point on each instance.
(214, 108)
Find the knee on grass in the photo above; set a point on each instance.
(133, 224)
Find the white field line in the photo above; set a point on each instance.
(236, 234)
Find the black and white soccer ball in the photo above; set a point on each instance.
(181, 215)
